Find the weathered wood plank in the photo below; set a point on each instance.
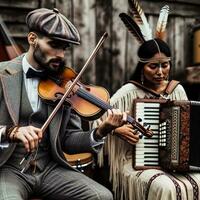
(131, 56)
(171, 41)
(66, 7)
(10, 16)
(176, 8)
(22, 4)
(188, 41)
(84, 18)
(186, 1)
(179, 48)
(118, 46)
(104, 57)
(49, 4)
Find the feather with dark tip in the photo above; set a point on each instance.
(140, 18)
(162, 22)
(132, 26)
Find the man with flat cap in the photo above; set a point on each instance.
(44, 172)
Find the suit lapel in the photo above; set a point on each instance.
(12, 93)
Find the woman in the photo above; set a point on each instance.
(152, 72)
(152, 80)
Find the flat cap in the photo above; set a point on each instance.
(52, 24)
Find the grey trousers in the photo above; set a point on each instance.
(55, 182)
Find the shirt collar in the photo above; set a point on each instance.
(26, 65)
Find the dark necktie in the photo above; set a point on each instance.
(35, 74)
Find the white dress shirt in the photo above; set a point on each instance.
(31, 85)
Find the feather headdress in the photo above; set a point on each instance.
(162, 22)
(140, 19)
(132, 27)
(138, 25)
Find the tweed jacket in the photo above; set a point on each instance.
(65, 130)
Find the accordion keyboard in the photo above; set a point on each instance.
(146, 150)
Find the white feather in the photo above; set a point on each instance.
(162, 20)
(141, 19)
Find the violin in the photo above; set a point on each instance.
(88, 101)
(52, 91)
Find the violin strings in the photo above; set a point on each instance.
(100, 103)
(91, 98)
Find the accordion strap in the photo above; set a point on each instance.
(170, 88)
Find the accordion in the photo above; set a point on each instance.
(176, 141)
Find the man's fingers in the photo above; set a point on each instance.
(32, 143)
(34, 138)
(129, 126)
(25, 142)
(37, 133)
(30, 136)
(119, 116)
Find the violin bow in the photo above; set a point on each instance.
(70, 88)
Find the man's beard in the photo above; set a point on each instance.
(40, 58)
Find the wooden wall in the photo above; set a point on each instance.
(117, 59)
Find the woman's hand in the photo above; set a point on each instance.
(127, 133)
(30, 136)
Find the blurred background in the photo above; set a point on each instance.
(117, 59)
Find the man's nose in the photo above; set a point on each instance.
(60, 53)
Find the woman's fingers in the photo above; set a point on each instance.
(130, 140)
(127, 133)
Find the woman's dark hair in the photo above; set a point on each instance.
(146, 51)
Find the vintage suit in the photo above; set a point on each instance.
(10, 92)
(65, 135)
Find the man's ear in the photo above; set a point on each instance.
(32, 39)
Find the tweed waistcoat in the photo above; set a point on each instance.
(28, 117)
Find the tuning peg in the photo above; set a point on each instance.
(140, 136)
(145, 124)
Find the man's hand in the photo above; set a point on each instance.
(30, 136)
(127, 133)
(115, 119)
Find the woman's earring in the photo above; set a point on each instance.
(142, 78)
(35, 44)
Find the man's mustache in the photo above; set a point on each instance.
(56, 60)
